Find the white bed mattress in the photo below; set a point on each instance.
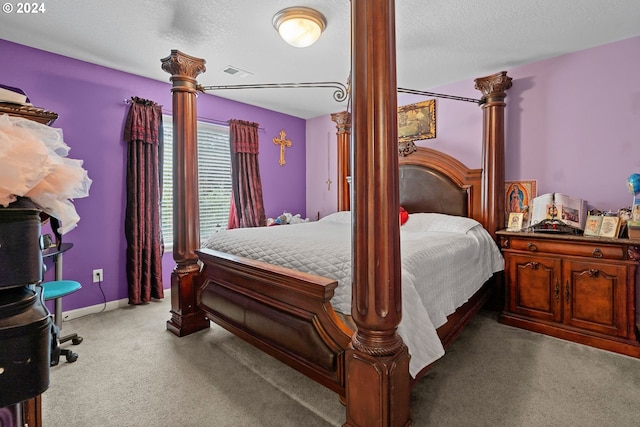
(445, 260)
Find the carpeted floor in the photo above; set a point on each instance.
(133, 372)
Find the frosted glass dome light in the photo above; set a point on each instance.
(299, 26)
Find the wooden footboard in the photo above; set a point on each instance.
(287, 314)
(283, 312)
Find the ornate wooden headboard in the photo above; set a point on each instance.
(483, 188)
(431, 181)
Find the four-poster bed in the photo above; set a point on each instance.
(445, 260)
(287, 313)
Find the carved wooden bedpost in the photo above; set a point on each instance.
(493, 93)
(343, 124)
(377, 360)
(185, 315)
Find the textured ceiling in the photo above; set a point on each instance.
(438, 41)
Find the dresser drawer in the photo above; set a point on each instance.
(591, 250)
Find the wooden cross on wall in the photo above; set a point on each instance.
(283, 142)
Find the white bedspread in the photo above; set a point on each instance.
(445, 260)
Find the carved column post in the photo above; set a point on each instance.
(493, 94)
(377, 361)
(343, 124)
(185, 316)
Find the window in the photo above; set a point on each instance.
(214, 179)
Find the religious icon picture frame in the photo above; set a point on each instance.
(515, 221)
(518, 197)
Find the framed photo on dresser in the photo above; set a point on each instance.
(609, 227)
(592, 225)
(515, 221)
(635, 211)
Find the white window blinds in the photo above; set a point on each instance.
(214, 179)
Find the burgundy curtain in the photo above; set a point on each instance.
(247, 208)
(143, 132)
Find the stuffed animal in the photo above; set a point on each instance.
(297, 219)
(286, 218)
(404, 215)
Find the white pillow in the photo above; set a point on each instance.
(439, 222)
(342, 217)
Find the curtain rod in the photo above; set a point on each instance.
(204, 119)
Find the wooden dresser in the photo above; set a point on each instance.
(582, 289)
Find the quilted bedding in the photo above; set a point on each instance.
(445, 260)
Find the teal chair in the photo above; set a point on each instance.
(56, 290)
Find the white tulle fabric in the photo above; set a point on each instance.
(34, 164)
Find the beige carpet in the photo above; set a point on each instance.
(132, 372)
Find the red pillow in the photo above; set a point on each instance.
(404, 215)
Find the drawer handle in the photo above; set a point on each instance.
(597, 253)
(532, 247)
(556, 291)
(566, 291)
(504, 242)
(593, 272)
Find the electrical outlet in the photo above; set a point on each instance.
(97, 276)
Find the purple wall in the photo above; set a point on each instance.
(89, 101)
(321, 165)
(572, 123)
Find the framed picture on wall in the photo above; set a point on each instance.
(518, 198)
(417, 121)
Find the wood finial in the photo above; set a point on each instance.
(494, 85)
(184, 66)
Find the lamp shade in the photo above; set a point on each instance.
(299, 26)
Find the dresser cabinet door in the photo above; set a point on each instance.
(534, 285)
(595, 297)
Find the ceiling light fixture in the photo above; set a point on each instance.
(299, 26)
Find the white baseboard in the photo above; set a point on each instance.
(93, 309)
(99, 308)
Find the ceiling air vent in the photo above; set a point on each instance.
(235, 71)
